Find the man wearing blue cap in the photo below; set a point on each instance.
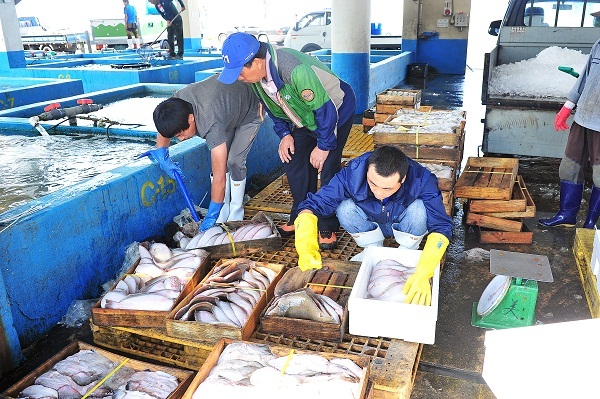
(312, 111)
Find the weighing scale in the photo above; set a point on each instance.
(509, 299)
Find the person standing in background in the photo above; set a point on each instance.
(583, 146)
(132, 24)
(169, 12)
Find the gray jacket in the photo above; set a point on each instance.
(586, 92)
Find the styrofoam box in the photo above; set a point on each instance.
(375, 318)
(595, 262)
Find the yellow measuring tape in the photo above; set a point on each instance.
(287, 362)
(88, 393)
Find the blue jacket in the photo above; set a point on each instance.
(351, 183)
(167, 9)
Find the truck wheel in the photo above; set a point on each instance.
(310, 47)
(46, 48)
(164, 44)
(222, 37)
(263, 37)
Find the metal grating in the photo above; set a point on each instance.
(374, 347)
(358, 142)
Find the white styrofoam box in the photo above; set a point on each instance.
(541, 361)
(595, 262)
(375, 318)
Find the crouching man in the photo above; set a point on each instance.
(381, 194)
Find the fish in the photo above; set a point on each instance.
(149, 301)
(38, 392)
(302, 304)
(158, 384)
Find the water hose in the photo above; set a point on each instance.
(568, 70)
(186, 196)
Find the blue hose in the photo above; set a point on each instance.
(186, 195)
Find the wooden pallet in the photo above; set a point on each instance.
(487, 178)
(524, 236)
(358, 143)
(582, 249)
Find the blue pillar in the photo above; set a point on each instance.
(11, 48)
(350, 46)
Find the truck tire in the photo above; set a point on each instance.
(310, 47)
(222, 37)
(46, 48)
(164, 44)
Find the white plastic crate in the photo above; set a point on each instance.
(595, 262)
(375, 318)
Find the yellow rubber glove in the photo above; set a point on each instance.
(307, 244)
(417, 288)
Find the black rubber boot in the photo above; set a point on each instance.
(570, 201)
(594, 209)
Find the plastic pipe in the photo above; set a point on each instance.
(186, 195)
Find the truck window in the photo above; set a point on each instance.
(316, 19)
(561, 13)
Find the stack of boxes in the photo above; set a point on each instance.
(497, 200)
(388, 102)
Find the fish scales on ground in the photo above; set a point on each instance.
(75, 376)
(387, 279)
(252, 371)
(157, 280)
(229, 294)
(217, 235)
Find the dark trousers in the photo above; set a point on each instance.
(175, 34)
(303, 177)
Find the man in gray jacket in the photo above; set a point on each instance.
(583, 146)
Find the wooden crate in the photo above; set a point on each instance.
(184, 377)
(391, 109)
(494, 223)
(152, 343)
(520, 194)
(242, 248)
(487, 178)
(212, 333)
(361, 360)
(335, 283)
(444, 183)
(144, 318)
(423, 139)
(424, 112)
(582, 249)
(525, 236)
(413, 97)
(448, 199)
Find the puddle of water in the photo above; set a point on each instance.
(31, 167)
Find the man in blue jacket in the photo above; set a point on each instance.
(381, 194)
(169, 12)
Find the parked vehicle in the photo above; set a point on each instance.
(274, 36)
(522, 125)
(110, 33)
(35, 36)
(313, 32)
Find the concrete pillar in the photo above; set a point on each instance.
(11, 47)
(350, 46)
(192, 25)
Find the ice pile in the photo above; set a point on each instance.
(538, 76)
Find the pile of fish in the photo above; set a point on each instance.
(305, 304)
(253, 371)
(387, 280)
(229, 294)
(294, 300)
(76, 375)
(216, 235)
(157, 280)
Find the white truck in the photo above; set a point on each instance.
(313, 32)
(35, 36)
(521, 125)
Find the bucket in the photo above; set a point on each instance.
(375, 28)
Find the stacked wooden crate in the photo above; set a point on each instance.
(497, 200)
(423, 136)
(388, 102)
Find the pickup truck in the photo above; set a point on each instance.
(313, 32)
(35, 36)
(521, 125)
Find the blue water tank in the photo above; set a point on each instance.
(375, 28)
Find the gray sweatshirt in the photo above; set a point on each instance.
(586, 92)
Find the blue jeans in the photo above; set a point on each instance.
(354, 220)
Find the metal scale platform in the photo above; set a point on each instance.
(509, 299)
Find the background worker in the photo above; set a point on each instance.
(169, 12)
(583, 146)
(381, 194)
(227, 117)
(312, 110)
(132, 25)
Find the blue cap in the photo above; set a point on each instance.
(238, 49)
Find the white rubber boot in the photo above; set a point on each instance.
(130, 44)
(236, 205)
(225, 210)
(373, 238)
(138, 42)
(406, 240)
